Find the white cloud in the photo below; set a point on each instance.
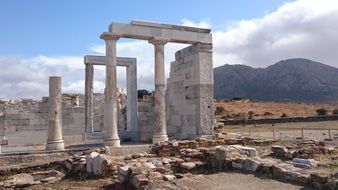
(202, 24)
(28, 78)
(303, 28)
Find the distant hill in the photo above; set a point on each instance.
(291, 80)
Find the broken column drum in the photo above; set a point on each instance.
(54, 140)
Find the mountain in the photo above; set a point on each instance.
(291, 80)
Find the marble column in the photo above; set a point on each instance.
(54, 140)
(89, 120)
(110, 102)
(132, 97)
(3, 140)
(160, 128)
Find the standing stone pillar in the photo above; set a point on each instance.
(3, 140)
(54, 140)
(160, 128)
(132, 98)
(110, 102)
(89, 120)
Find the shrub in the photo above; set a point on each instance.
(267, 113)
(251, 114)
(237, 98)
(335, 112)
(141, 93)
(284, 115)
(219, 110)
(321, 111)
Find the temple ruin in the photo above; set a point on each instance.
(181, 106)
(196, 87)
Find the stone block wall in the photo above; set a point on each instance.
(32, 115)
(146, 118)
(189, 95)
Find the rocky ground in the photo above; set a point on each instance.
(223, 163)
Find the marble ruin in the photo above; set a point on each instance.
(180, 107)
(54, 140)
(201, 89)
(130, 64)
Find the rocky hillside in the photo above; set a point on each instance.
(292, 80)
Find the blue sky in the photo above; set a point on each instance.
(63, 27)
(41, 38)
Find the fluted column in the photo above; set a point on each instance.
(89, 120)
(160, 128)
(54, 140)
(110, 102)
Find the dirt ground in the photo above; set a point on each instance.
(235, 181)
(262, 109)
(93, 184)
(219, 181)
(288, 130)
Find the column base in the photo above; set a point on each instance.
(208, 137)
(55, 145)
(160, 138)
(3, 141)
(112, 142)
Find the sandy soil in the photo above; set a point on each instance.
(235, 181)
(219, 181)
(276, 109)
(288, 130)
(76, 185)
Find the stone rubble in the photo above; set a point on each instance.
(28, 179)
(183, 158)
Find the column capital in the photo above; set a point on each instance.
(158, 41)
(109, 36)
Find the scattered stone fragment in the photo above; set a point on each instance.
(279, 151)
(251, 165)
(128, 157)
(304, 163)
(139, 180)
(169, 177)
(188, 165)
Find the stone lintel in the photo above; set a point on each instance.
(101, 60)
(169, 26)
(147, 31)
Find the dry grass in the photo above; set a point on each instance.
(262, 109)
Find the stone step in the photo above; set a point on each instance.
(94, 136)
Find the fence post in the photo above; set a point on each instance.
(273, 131)
(302, 133)
(330, 134)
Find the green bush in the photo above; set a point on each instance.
(284, 115)
(219, 110)
(335, 112)
(237, 98)
(321, 111)
(251, 114)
